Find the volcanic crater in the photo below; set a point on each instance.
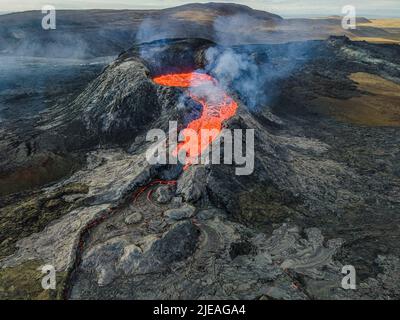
(116, 227)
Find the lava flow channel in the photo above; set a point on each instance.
(217, 107)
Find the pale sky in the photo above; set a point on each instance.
(286, 8)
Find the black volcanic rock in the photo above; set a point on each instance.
(120, 103)
(323, 193)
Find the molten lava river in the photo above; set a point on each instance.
(217, 107)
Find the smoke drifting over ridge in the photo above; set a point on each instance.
(237, 29)
(238, 67)
(244, 68)
(151, 30)
(238, 71)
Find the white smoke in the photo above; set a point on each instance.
(242, 68)
(151, 29)
(236, 29)
(237, 71)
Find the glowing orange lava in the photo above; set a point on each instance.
(217, 107)
(184, 80)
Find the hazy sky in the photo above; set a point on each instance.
(389, 8)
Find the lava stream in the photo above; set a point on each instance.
(217, 107)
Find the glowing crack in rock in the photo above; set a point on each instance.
(217, 107)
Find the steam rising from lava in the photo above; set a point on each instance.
(217, 107)
(246, 70)
(240, 72)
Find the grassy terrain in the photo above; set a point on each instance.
(378, 31)
(21, 218)
(23, 282)
(378, 106)
(383, 23)
(375, 39)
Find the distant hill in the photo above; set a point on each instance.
(221, 9)
(95, 33)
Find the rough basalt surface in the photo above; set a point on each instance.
(323, 193)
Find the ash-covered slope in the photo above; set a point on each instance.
(210, 233)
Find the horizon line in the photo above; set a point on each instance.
(313, 15)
